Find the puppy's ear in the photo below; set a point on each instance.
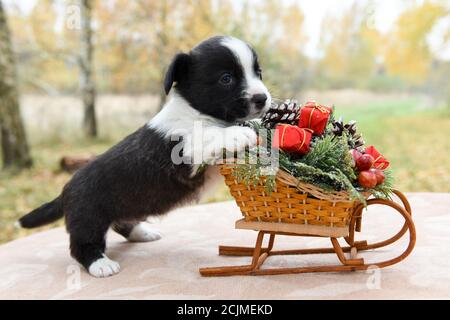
(177, 70)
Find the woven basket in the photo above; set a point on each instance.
(291, 201)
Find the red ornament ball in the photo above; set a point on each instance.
(379, 174)
(367, 179)
(364, 162)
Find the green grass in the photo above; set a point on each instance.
(415, 140)
(20, 193)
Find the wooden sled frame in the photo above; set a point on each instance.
(352, 263)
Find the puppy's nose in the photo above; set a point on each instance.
(259, 100)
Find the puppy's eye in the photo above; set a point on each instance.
(226, 78)
(259, 73)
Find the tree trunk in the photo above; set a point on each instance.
(15, 150)
(162, 45)
(86, 70)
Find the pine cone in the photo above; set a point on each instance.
(287, 112)
(338, 127)
(354, 139)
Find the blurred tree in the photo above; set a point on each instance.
(134, 51)
(276, 31)
(177, 26)
(259, 25)
(294, 65)
(115, 49)
(44, 58)
(139, 38)
(407, 53)
(164, 37)
(87, 83)
(53, 53)
(135, 41)
(181, 26)
(200, 22)
(15, 150)
(349, 48)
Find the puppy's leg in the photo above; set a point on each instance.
(87, 246)
(137, 232)
(215, 140)
(238, 138)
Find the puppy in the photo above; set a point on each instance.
(214, 86)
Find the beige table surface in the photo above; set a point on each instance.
(40, 267)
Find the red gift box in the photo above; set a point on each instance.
(315, 117)
(380, 162)
(292, 138)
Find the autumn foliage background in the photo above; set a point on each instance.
(394, 81)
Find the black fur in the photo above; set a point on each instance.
(136, 178)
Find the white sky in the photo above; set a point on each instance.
(385, 14)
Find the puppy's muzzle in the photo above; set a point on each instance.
(259, 100)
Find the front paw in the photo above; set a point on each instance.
(238, 138)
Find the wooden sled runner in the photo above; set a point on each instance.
(347, 255)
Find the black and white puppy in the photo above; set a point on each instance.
(216, 84)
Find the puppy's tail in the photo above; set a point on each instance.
(45, 214)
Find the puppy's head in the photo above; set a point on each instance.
(220, 77)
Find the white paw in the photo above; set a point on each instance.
(143, 232)
(104, 267)
(237, 138)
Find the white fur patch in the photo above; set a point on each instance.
(17, 224)
(104, 267)
(178, 117)
(143, 232)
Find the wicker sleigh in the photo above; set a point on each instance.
(300, 209)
